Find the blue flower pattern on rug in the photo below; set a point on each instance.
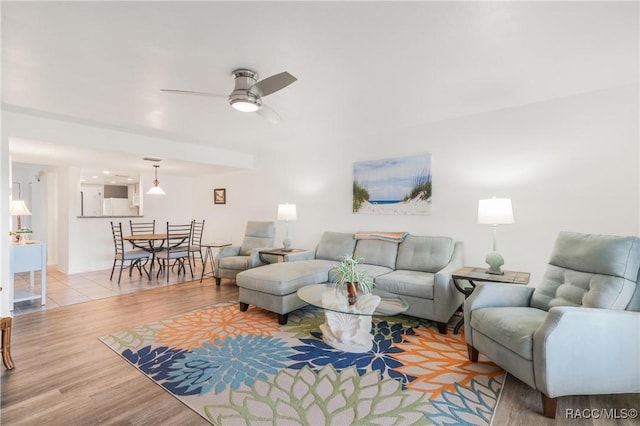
(153, 361)
(315, 354)
(230, 363)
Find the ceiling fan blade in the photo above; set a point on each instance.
(269, 114)
(274, 83)
(191, 92)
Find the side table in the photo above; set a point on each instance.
(208, 256)
(280, 253)
(472, 274)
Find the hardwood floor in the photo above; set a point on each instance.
(65, 376)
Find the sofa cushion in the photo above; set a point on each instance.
(377, 252)
(334, 245)
(287, 277)
(426, 254)
(407, 283)
(511, 327)
(596, 271)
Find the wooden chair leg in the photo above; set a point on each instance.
(218, 281)
(473, 353)
(5, 325)
(549, 406)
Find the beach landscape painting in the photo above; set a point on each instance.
(399, 186)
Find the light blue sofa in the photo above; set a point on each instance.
(419, 269)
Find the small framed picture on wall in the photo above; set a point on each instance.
(220, 196)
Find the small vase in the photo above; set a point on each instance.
(352, 293)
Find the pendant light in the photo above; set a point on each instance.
(155, 189)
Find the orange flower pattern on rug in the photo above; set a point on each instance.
(439, 362)
(208, 325)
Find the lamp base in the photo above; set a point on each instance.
(495, 261)
(287, 245)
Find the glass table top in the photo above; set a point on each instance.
(390, 304)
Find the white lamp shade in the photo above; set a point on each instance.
(155, 190)
(287, 212)
(19, 208)
(495, 211)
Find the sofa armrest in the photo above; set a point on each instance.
(303, 255)
(255, 259)
(497, 295)
(225, 252)
(445, 296)
(586, 351)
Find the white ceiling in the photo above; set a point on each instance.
(362, 67)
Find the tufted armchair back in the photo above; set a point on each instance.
(594, 271)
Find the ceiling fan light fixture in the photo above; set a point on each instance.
(245, 102)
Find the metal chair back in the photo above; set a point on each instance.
(118, 242)
(196, 236)
(178, 248)
(138, 228)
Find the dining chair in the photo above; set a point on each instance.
(177, 250)
(196, 240)
(142, 228)
(134, 257)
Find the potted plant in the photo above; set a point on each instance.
(354, 279)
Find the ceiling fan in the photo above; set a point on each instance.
(248, 92)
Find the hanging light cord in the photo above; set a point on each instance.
(156, 182)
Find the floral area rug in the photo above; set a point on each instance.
(236, 367)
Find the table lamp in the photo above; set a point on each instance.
(287, 212)
(18, 208)
(495, 211)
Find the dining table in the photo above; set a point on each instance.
(154, 244)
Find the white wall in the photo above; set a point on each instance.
(568, 164)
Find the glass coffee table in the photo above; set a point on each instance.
(348, 327)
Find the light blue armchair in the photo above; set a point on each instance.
(234, 259)
(577, 332)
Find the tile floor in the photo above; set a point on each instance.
(63, 290)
